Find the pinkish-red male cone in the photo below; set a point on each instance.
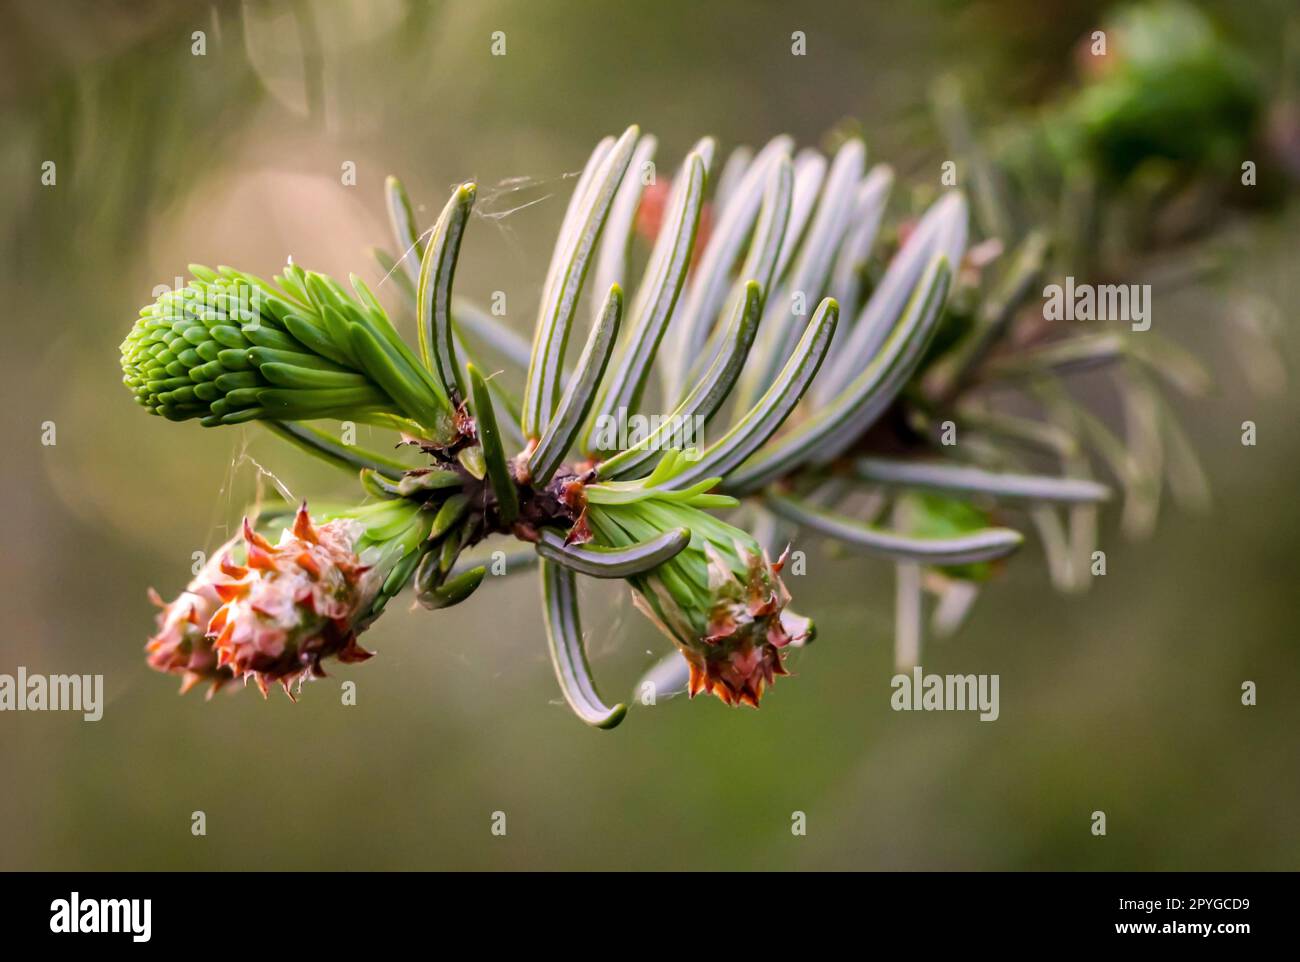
(274, 617)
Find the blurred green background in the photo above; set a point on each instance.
(1125, 700)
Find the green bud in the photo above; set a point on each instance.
(230, 348)
(721, 599)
